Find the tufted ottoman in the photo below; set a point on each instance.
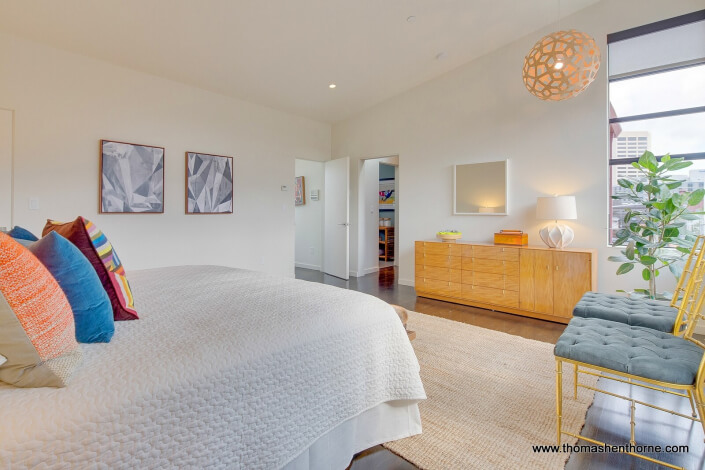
(634, 350)
(653, 314)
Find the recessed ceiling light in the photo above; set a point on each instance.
(332, 85)
(411, 19)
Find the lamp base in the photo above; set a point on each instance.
(557, 235)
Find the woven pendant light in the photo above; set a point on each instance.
(561, 65)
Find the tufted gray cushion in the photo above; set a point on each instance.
(652, 314)
(632, 349)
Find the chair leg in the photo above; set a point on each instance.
(559, 398)
(700, 406)
(575, 381)
(694, 413)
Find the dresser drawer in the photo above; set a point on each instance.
(495, 252)
(434, 286)
(491, 266)
(441, 274)
(488, 295)
(432, 248)
(441, 261)
(495, 281)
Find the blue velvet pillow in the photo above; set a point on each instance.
(20, 233)
(92, 312)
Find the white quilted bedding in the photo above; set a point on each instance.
(225, 369)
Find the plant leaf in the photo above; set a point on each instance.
(625, 268)
(629, 252)
(695, 197)
(646, 274)
(625, 183)
(618, 259)
(647, 260)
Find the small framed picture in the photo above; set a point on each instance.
(299, 191)
(209, 184)
(131, 178)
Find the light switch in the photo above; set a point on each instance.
(34, 203)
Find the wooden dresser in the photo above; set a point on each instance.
(532, 281)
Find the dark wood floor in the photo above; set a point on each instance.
(606, 420)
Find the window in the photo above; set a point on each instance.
(657, 103)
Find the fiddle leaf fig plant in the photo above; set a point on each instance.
(655, 233)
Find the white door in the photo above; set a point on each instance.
(5, 169)
(336, 233)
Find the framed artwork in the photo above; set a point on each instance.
(209, 184)
(131, 178)
(386, 193)
(299, 191)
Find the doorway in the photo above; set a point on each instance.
(378, 215)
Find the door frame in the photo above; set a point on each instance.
(363, 242)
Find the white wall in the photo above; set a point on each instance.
(482, 112)
(65, 103)
(5, 168)
(309, 217)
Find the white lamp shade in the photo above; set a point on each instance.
(556, 208)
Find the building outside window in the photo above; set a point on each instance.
(657, 103)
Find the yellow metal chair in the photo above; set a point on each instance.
(639, 356)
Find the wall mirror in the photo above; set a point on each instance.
(480, 188)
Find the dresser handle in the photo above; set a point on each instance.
(556, 268)
(548, 267)
(502, 250)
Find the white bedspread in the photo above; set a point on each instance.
(225, 369)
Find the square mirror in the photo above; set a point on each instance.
(480, 188)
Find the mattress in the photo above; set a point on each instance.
(226, 368)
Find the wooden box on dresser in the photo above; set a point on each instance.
(532, 281)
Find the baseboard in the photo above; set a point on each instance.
(406, 282)
(364, 272)
(307, 266)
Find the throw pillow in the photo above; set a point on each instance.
(92, 312)
(37, 334)
(95, 246)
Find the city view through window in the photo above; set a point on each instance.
(663, 113)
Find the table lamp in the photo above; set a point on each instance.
(556, 208)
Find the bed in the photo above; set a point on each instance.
(226, 368)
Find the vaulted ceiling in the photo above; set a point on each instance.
(285, 53)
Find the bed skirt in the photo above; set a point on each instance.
(383, 423)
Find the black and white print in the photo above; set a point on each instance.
(209, 184)
(132, 178)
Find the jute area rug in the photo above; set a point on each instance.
(491, 396)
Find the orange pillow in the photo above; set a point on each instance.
(37, 333)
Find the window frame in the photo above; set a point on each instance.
(634, 33)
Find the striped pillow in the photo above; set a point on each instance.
(95, 246)
(37, 335)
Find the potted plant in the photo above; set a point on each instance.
(655, 234)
